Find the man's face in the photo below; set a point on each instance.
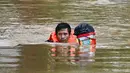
(63, 35)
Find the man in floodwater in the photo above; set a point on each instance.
(62, 34)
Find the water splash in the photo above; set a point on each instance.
(107, 2)
(104, 2)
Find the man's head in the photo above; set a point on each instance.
(63, 31)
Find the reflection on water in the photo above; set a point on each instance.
(31, 21)
(40, 59)
(71, 55)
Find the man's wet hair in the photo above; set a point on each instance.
(61, 26)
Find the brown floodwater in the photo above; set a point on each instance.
(31, 21)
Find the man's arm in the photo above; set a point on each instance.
(49, 39)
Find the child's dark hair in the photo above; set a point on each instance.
(63, 26)
(83, 28)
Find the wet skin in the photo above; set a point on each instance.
(63, 35)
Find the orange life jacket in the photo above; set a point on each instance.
(72, 38)
(91, 41)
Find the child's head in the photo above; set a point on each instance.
(84, 30)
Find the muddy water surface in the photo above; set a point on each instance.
(31, 21)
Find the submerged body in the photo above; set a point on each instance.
(85, 52)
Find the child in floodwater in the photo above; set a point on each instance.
(86, 37)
